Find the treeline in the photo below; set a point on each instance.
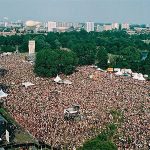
(123, 50)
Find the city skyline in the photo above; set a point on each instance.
(121, 11)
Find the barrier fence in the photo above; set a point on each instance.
(27, 146)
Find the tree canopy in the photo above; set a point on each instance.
(50, 62)
(90, 48)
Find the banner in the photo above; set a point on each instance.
(7, 136)
(110, 69)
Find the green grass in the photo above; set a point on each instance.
(7, 116)
(106, 139)
(21, 136)
(103, 141)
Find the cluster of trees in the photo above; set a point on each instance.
(103, 141)
(50, 62)
(122, 49)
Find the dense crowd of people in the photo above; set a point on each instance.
(40, 108)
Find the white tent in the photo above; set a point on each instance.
(119, 73)
(57, 79)
(145, 76)
(67, 82)
(6, 54)
(93, 66)
(136, 76)
(126, 71)
(141, 78)
(116, 69)
(26, 84)
(3, 94)
(99, 69)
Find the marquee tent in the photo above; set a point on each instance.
(99, 69)
(6, 53)
(3, 94)
(67, 82)
(26, 84)
(119, 73)
(126, 71)
(57, 79)
(136, 76)
(116, 69)
(141, 78)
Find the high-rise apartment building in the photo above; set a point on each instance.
(115, 26)
(64, 24)
(107, 27)
(125, 26)
(89, 26)
(51, 26)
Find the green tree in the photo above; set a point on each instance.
(102, 141)
(24, 46)
(68, 61)
(40, 43)
(7, 48)
(102, 58)
(99, 145)
(146, 65)
(50, 62)
(85, 52)
(46, 63)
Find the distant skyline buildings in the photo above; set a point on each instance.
(51, 26)
(89, 26)
(125, 26)
(115, 26)
(31, 26)
(107, 27)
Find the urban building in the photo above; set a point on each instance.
(51, 26)
(107, 27)
(115, 26)
(89, 26)
(64, 24)
(125, 26)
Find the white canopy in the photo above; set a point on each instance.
(93, 66)
(99, 69)
(26, 84)
(136, 76)
(70, 110)
(141, 78)
(116, 69)
(145, 76)
(119, 73)
(57, 79)
(6, 53)
(126, 71)
(3, 94)
(67, 82)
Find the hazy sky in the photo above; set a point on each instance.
(132, 11)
